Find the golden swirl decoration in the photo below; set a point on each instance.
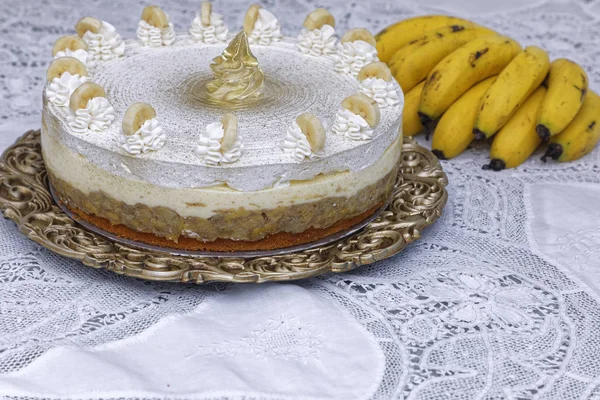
(418, 200)
(237, 75)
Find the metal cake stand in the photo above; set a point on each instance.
(25, 198)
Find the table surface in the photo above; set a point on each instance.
(499, 299)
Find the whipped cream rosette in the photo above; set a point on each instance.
(261, 26)
(155, 29)
(305, 138)
(64, 76)
(357, 117)
(355, 50)
(104, 43)
(91, 111)
(377, 82)
(208, 27)
(220, 143)
(141, 131)
(318, 34)
(73, 46)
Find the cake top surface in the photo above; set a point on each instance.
(172, 79)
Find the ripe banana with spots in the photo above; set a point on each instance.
(518, 139)
(454, 132)
(411, 124)
(524, 74)
(580, 136)
(412, 63)
(395, 36)
(456, 73)
(567, 88)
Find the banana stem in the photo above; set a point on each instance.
(554, 151)
(479, 135)
(439, 154)
(543, 132)
(496, 164)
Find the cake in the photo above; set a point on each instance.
(213, 140)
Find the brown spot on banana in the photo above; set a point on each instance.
(476, 56)
(434, 77)
(457, 28)
(591, 126)
(440, 35)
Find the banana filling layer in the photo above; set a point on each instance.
(236, 224)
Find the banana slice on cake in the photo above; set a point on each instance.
(205, 12)
(230, 128)
(88, 24)
(313, 129)
(84, 93)
(155, 16)
(377, 70)
(355, 34)
(65, 64)
(135, 116)
(250, 18)
(317, 18)
(70, 42)
(363, 105)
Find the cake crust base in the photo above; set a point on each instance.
(272, 242)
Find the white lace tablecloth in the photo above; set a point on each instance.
(499, 299)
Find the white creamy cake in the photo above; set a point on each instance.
(211, 140)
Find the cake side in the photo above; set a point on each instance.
(217, 212)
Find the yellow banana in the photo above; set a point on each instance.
(517, 139)
(395, 36)
(411, 124)
(459, 71)
(567, 87)
(580, 136)
(516, 82)
(454, 132)
(413, 62)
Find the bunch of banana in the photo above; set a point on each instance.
(465, 82)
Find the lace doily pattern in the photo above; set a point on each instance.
(444, 311)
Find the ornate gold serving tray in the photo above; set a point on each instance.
(25, 198)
